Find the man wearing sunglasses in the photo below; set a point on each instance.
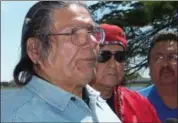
(128, 105)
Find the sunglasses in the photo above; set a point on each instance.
(104, 56)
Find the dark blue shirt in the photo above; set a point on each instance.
(163, 111)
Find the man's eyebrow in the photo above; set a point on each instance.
(73, 25)
(83, 25)
(79, 25)
(173, 52)
(169, 52)
(63, 28)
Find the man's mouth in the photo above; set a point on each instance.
(112, 74)
(166, 72)
(89, 60)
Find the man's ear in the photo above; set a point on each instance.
(32, 47)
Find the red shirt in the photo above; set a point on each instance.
(133, 107)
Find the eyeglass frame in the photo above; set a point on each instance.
(113, 53)
(161, 57)
(80, 27)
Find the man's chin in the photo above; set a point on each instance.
(110, 85)
(168, 82)
(106, 96)
(87, 75)
(171, 90)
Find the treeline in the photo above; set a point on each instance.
(141, 20)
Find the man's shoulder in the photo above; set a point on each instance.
(12, 95)
(133, 102)
(102, 109)
(128, 94)
(146, 91)
(12, 100)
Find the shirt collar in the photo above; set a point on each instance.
(56, 96)
(157, 99)
(91, 91)
(49, 92)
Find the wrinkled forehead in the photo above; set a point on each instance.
(166, 46)
(72, 16)
(172, 45)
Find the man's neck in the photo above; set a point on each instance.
(105, 92)
(65, 85)
(170, 101)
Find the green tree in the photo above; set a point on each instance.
(141, 20)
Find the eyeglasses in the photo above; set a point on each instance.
(80, 35)
(159, 58)
(104, 56)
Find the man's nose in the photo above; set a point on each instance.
(165, 62)
(90, 42)
(93, 41)
(112, 62)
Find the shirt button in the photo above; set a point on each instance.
(73, 98)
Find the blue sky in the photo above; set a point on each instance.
(12, 15)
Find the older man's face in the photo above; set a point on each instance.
(163, 67)
(72, 59)
(111, 72)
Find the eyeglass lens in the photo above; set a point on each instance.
(104, 56)
(80, 35)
